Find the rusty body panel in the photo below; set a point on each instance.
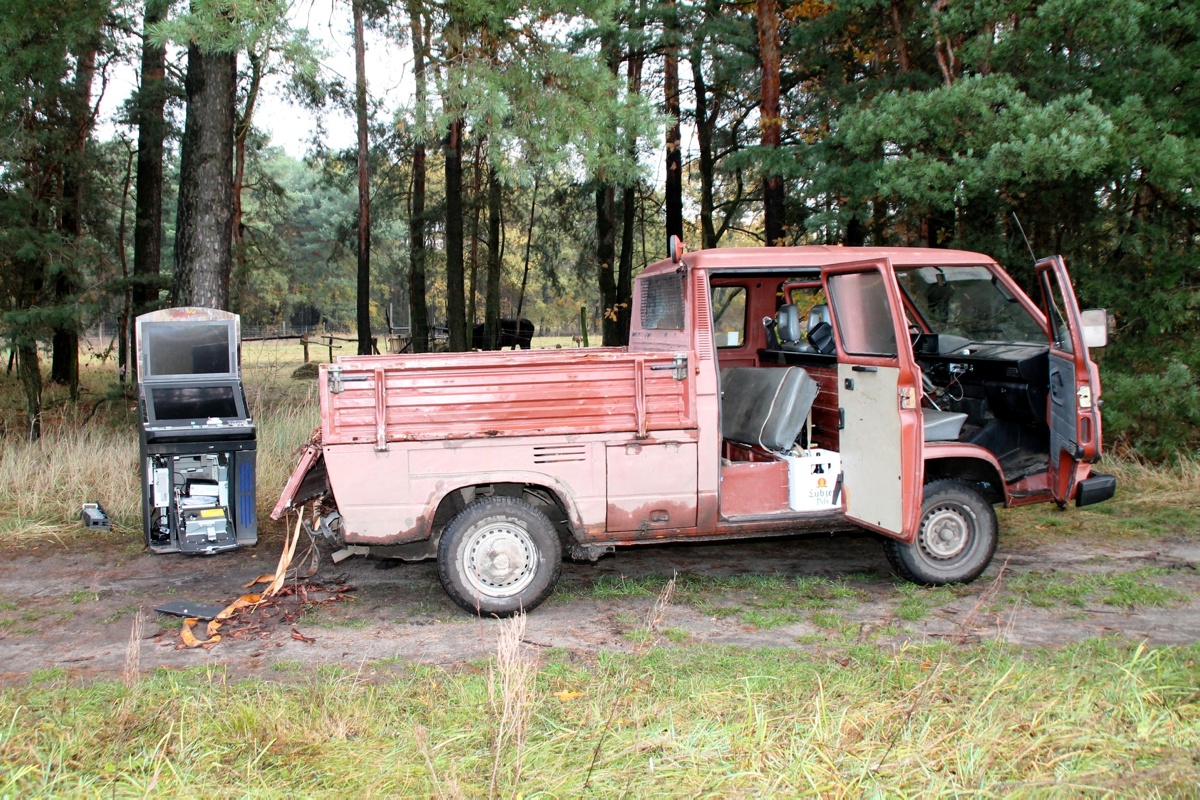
(620, 446)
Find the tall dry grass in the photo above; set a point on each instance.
(88, 451)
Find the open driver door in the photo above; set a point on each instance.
(1072, 414)
(879, 391)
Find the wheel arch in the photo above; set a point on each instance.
(544, 493)
(968, 463)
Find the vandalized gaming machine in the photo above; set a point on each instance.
(197, 441)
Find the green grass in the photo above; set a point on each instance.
(1151, 501)
(760, 601)
(1132, 590)
(1096, 718)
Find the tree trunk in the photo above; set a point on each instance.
(606, 246)
(456, 316)
(30, 373)
(418, 309)
(203, 239)
(629, 215)
(606, 242)
(476, 210)
(147, 227)
(241, 131)
(491, 303)
(770, 119)
(64, 362)
(705, 123)
(364, 186)
(674, 182)
(528, 247)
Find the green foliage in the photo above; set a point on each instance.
(1156, 412)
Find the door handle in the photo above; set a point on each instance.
(861, 368)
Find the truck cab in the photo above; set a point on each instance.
(764, 391)
(942, 391)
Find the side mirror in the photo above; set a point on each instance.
(1095, 327)
(675, 249)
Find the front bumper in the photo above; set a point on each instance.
(1095, 489)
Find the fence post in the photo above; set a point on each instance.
(331, 348)
(304, 341)
(583, 324)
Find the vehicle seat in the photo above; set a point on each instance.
(942, 426)
(765, 406)
(820, 331)
(787, 327)
(818, 314)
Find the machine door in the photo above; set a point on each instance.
(878, 397)
(1073, 430)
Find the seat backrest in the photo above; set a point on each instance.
(818, 314)
(820, 336)
(787, 323)
(765, 406)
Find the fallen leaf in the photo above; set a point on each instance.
(300, 637)
(189, 639)
(266, 578)
(566, 696)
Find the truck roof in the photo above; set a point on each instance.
(816, 256)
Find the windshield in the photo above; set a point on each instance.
(969, 302)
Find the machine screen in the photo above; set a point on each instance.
(187, 348)
(193, 402)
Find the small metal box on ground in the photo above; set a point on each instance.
(812, 476)
(197, 442)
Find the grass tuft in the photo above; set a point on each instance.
(1103, 717)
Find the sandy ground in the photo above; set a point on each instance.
(75, 605)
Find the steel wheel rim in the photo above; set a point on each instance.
(500, 560)
(946, 533)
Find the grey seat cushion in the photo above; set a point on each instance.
(765, 406)
(941, 426)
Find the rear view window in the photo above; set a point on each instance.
(662, 302)
(729, 315)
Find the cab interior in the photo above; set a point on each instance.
(990, 394)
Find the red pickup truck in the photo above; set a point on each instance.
(765, 391)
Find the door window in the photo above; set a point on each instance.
(1056, 312)
(863, 313)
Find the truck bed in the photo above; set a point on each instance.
(385, 399)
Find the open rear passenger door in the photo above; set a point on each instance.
(1074, 425)
(879, 390)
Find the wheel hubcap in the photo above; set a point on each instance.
(945, 533)
(500, 560)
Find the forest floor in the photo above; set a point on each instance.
(73, 602)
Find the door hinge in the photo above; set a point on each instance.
(1085, 396)
(678, 366)
(337, 380)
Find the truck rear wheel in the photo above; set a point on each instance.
(499, 555)
(955, 540)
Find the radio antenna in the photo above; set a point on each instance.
(1024, 238)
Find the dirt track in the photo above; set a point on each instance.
(73, 606)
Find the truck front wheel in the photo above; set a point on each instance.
(499, 555)
(955, 540)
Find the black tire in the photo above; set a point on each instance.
(499, 555)
(955, 540)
